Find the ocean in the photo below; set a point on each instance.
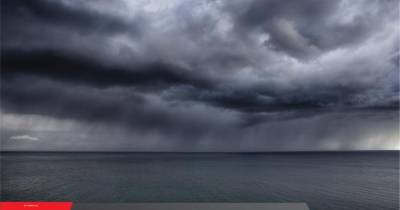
(323, 180)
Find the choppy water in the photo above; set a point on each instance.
(324, 180)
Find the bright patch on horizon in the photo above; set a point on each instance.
(24, 137)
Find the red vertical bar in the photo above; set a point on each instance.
(35, 205)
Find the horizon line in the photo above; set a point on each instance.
(270, 151)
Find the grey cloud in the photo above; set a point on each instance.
(193, 75)
(304, 28)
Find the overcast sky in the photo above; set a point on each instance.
(199, 75)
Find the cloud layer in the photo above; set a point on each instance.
(201, 75)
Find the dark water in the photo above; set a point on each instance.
(324, 180)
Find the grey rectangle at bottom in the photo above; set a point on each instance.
(190, 206)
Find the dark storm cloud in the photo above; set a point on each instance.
(113, 106)
(267, 98)
(78, 69)
(242, 100)
(59, 13)
(202, 75)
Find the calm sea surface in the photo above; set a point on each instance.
(324, 180)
